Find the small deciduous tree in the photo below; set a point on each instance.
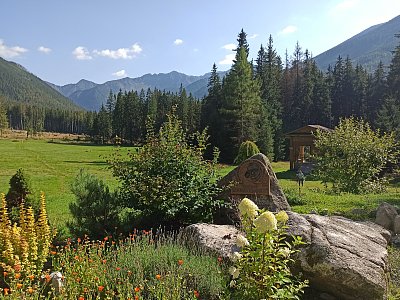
(352, 156)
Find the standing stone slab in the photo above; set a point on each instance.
(385, 215)
(254, 179)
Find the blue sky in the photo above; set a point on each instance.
(64, 41)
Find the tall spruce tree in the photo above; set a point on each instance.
(210, 110)
(3, 119)
(241, 104)
(377, 88)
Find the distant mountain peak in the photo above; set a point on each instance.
(366, 48)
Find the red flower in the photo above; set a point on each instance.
(180, 262)
(196, 294)
(158, 276)
(100, 288)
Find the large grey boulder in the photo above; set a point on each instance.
(219, 240)
(385, 215)
(342, 258)
(254, 179)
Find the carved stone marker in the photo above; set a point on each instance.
(254, 179)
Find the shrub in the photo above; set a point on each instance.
(353, 155)
(24, 249)
(95, 211)
(20, 191)
(167, 182)
(261, 270)
(246, 150)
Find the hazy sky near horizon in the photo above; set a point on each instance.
(98, 40)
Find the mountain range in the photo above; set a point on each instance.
(367, 48)
(17, 84)
(91, 95)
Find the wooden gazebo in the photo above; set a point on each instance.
(302, 143)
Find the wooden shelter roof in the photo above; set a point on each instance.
(307, 130)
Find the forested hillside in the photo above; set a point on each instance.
(368, 48)
(18, 85)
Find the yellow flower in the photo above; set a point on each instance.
(265, 222)
(282, 217)
(241, 241)
(248, 208)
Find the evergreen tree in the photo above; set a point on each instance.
(242, 43)
(103, 123)
(210, 110)
(241, 105)
(3, 119)
(393, 78)
(110, 104)
(377, 88)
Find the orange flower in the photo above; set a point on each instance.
(129, 273)
(19, 285)
(6, 290)
(31, 277)
(196, 294)
(81, 298)
(104, 261)
(78, 280)
(158, 276)
(106, 238)
(30, 290)
(118, 268)
(137, 289)
(17, 268)
(100, 288)
(48, 278)
(5, 274)
(76, 257)
(17, 275)
(180, 262)
(136, 297)
(53, 252)
(79, 240)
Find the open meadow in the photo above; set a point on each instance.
(53, 164)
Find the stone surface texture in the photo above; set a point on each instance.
(342, 258)
(274, 201)
(385, 215)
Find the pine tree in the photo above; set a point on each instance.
(3, 119)
(393, 78)
(210, 110)
(377, 88)
(241, 105)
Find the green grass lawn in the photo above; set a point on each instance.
(52, 167)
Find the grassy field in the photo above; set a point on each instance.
(52, 167)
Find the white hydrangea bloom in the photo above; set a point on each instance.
(248, 208)
(265, 222)
(236, 256)
(241, 241)
(234, 272)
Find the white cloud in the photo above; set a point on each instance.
(121, 73)
(178, 42)
(344, 6)
(121, 53)
(44, 49)
(228, 59)
(9, 52)
(288, 30)
(253, 36)
(229, 47)
(81, 53)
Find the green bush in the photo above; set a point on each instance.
(352, 156)
(246, 150)
(167, 182)
(20, 191)
(95, 210)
